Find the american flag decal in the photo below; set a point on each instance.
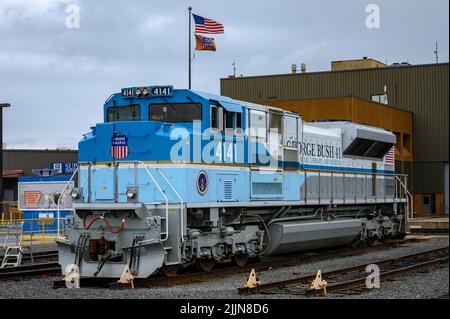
(119, 147)
(389, 158)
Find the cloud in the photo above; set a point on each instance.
(57, 79)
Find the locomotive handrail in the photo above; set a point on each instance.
(165, 197)
(409, 201)
(59, 200)
(181, 202)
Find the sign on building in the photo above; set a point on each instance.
(43, 193)
(64, 168)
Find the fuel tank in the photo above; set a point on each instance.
(293, 236)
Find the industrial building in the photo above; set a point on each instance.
(18, 163)
(370, 92)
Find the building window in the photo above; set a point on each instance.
(380, 98)
(176, 112)
(124, 113)
(407, 142)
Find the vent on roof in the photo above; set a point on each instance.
(368, 148)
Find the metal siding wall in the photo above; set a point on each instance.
(429, 177)
(29, 159)
(421, 89)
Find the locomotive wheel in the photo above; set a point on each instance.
(240, 259)
(205, 265)
(170, 270)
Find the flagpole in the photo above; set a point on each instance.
(190, 18)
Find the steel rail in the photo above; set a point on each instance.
(220, 272)
(38, 254)
(52, 268)
(309, 278)
(361, 281)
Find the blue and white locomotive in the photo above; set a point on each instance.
(176, 177)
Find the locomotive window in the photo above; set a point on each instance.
(275, 133)
(238, 123)
(124, 113)
(217, 118)
(275, 122)
(176, 112)
(214, 117)
(228, 119)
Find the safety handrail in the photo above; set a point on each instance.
(165, 197)
(59, 199)
(409, 202)
(181, 202)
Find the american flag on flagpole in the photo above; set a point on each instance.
(207, 26)
(389, 158)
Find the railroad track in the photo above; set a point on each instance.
(352, 280)
(33, 270)
(224, 271)
(43, 255)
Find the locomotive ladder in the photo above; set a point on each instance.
(13, 254)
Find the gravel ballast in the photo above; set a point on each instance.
(433, 283)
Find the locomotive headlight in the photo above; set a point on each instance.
(75, 193)
(131, 193)
(146, 92)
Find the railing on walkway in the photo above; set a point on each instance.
(161, 189)
(30, 229)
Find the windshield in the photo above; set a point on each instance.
(176, 112)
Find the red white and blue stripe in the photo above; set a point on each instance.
(389, 158)
(207, 26)
(119, 147)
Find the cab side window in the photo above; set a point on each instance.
(238, 123)
(217, 120)
(228, 119)
(124, 113)
(224, 121)
(175, 112)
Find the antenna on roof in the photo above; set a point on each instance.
(234, 68)
(436, 52)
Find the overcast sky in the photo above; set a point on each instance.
(57, 78)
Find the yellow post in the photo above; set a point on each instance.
(3, 218)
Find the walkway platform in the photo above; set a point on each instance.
(429, 223)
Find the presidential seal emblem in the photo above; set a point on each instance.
(202, 183)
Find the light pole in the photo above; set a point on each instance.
(2, 105)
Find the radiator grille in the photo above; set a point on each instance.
(228, 190)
